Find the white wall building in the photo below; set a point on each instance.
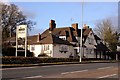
(64, 42)
(54, 41)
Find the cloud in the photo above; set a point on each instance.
(29, 14)
(5, 2)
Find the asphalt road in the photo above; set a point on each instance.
(91, 70)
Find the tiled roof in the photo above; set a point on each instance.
(68, 31)
(51, 39)
(96, 37)
(101, 46)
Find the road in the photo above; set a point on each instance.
(91, 70)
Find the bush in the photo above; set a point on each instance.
(43, 55)
(10, 51)
(112, 55)
(32, 60)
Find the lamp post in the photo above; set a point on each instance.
(80, 46)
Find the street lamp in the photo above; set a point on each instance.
(80, 46)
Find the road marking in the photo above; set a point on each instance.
(33, 77)
(106, 67)
(78, 71)
(74, 72)
(107, 76)
(46, 66)
(65, 73)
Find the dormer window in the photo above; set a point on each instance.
(62, 37)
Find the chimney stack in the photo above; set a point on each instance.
(75, 26)
(39, 38)
(85, 26)
(52, 25)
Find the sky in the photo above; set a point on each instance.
(67, 13)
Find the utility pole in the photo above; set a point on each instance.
(80, 46)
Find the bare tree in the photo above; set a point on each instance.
(12, 16)
(107, 33)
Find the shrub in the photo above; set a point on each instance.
(112, 55)
(32, 60)
(42, 55)
(10, 51)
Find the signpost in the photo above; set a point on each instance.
(21, 33)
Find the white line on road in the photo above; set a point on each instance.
(74, 72)
(78, 71)
(106, 67)
(32, 77)
(65, 73)
(107, 76)
(46, 66)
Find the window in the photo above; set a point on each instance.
(63, 48)
(62, 37)
(32, 48)
(45, 47)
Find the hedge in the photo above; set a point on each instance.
(34, 60)
(10, 51)
(113, 55)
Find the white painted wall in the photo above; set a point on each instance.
(38, 49)
(54, 50)
(49, 51)
(89, 50)
(90, 37)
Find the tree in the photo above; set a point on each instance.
(106, 32)
(12, 16)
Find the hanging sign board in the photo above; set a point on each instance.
(22, 31)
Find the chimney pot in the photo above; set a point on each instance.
(85, 26)
(52, 24)
(75, 26)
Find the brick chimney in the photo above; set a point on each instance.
(52, 25)
(38, 37)
(75, 26)
(85, 26)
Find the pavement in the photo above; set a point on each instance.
(57, 63)
(63, 72)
